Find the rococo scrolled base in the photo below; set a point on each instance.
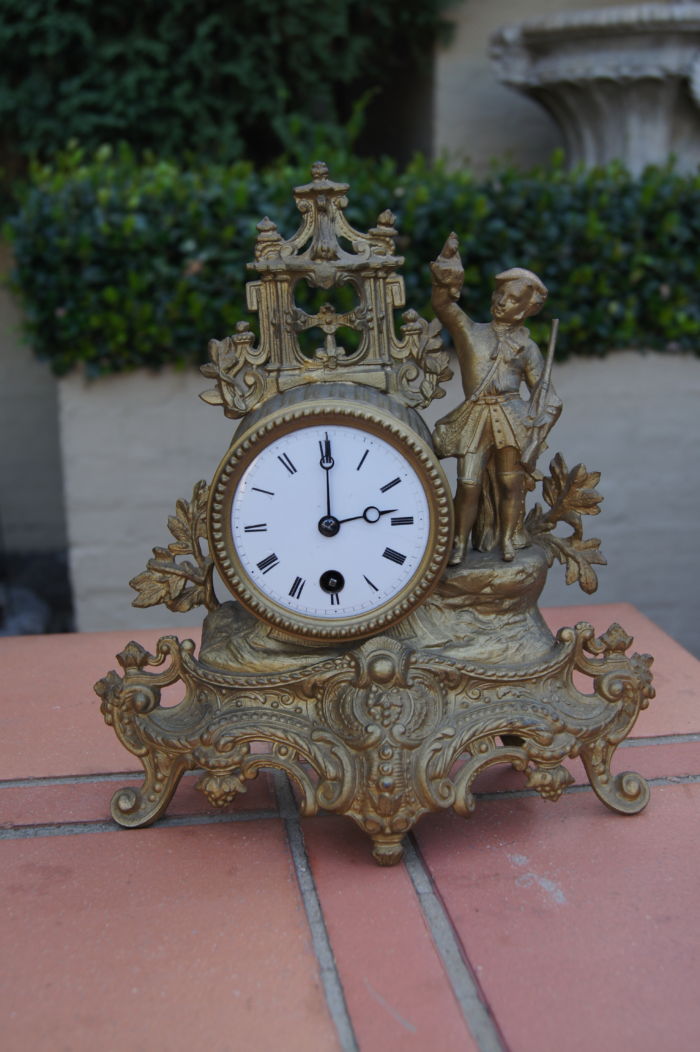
(384, 731)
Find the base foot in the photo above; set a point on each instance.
(387, 850)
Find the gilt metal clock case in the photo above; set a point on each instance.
(330, 519)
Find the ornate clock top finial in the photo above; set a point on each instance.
(327, 254)
(319, 170)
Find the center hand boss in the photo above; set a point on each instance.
(370, 514)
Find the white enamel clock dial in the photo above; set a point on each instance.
(329, 523)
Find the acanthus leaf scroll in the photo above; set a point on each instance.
(180, 585)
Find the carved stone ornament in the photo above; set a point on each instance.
(418, 658)
(621, 82)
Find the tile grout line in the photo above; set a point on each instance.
(660, 739)
(49, 829)
(72, 779)
(330, 978)
(108, 825)
(465, 986)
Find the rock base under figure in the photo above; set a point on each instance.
(486, 610)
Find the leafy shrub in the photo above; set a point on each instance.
(121, 264)
(223, 78)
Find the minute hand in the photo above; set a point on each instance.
(327, 463)
(370, 514)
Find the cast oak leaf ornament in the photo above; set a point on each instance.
(569, 494)
(180, 585)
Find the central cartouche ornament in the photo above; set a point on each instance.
(384, 644)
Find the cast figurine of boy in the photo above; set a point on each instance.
(495, 434)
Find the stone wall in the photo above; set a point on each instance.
(133, 445)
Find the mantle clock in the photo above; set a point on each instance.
(366, 649)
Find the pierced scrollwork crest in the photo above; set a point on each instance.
(326, 254)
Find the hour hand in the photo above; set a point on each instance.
(370, 514)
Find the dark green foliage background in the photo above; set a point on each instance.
(121, 264)
(223, 78)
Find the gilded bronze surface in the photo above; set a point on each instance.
(466, 674)
(329, 255)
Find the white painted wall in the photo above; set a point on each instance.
(475, 117)
(132, 445)
(31, 487)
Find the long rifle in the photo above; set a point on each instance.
(539, 396)
(538, 401)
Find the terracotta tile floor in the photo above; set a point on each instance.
(531, 926)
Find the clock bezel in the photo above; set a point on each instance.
(341, 412)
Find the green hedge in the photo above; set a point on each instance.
(121, 265)
(225, 78)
